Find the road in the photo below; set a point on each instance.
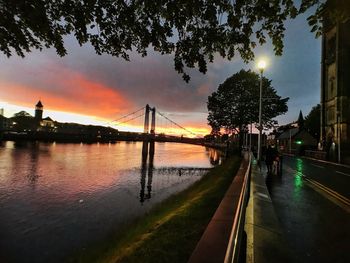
(311, 200)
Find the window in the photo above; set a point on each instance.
(331, 50)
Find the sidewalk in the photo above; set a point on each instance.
(265, 238)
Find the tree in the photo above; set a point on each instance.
(194, 31)
(23, 121)
(21, 114)
(236, 103)
(312, 121)
(300, 120)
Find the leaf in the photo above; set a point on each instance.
(193, 30)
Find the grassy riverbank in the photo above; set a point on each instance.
(170, 231)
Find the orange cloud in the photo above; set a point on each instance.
(75, 94)
(63, 90)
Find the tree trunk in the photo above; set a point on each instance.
(241, 138)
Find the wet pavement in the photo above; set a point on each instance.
(316, 225)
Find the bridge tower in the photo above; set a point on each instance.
(153, 122)
(146, 125)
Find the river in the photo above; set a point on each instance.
(58, 198)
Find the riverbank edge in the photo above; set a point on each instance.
(172, 229)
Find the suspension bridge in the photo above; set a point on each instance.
(147, 123)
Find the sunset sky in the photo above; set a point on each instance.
(87, 88)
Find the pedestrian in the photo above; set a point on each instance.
(255, 152)
(270, 156)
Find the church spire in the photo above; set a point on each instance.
(39, 110)
(300, 120)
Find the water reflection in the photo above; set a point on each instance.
(298, 180)
(146, 170)
(33, 170)
(41, 186)
(163, 173)
(25, 152)
(214, 156)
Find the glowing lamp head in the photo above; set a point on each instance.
(261, 65)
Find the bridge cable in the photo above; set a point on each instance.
(127, 115)
(178, 125)
(123, 122)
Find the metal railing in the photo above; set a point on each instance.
(234, 245)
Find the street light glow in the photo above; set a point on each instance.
(262, 64)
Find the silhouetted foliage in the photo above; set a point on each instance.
(312, 121)
(236, 103)
(22, 114)
(224, 137)
(194, 31)
(300, 120)
(23, 121)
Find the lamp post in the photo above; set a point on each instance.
(338, 134)
(250, 137)
(261, 67)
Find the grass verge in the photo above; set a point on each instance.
(170, 231)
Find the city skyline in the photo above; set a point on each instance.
(86, 88)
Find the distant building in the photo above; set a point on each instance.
(44, 124)
(296, 139)
(47, 125)
(47, 122)
(39, 111)
(4, 123)
(335, 86)
(23, 126)
(293, 137)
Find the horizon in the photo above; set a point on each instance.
(95, 89)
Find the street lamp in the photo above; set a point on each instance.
(261, 67)
(338, 134)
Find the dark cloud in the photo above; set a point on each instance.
(150, 80)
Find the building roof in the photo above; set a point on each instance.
(289, 133)
(39, 104)
(47, 119)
